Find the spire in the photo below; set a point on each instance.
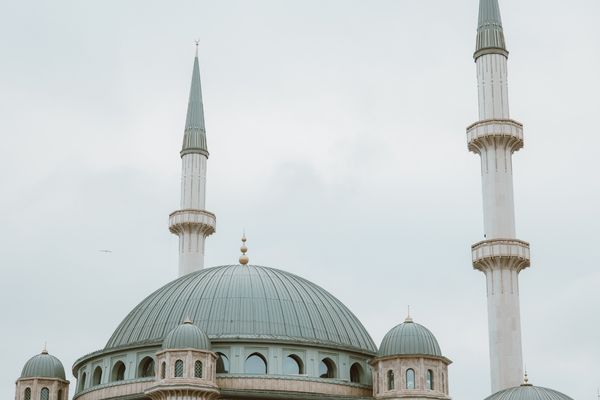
(490, 35)
(194, 139)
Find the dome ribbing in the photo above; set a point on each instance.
(43, 366)
(409, 338)
(528, 392)
(236, 302)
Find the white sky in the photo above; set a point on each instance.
(337, 139)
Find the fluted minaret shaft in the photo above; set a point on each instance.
(192, 223)
(501, 256)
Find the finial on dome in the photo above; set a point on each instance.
(188, 320)
(244, 249)
(408, 318)
(525, 379)
(45, 350)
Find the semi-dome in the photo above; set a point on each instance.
(187, 336)
(245, 302)
(43, 365)
(528, 392)
(409, 338)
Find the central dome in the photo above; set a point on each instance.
(235, 302)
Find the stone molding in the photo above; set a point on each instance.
(492, 133)
(201, 220)
(501, 254)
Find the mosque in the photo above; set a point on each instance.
(252, 332)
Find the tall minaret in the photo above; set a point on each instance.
(192, 223)
(501, 256)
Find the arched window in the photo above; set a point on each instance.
(356, 373)
(327, 368)
(45, 394)
(146, 368)
(198, 369)
(443, 383)
(82, 381)
(222, 364)
(178, 369)
(97, 377)
(293, 365)
(410, 378)
(429, 379)
(163, 370)
(390, 380)
(118, 372)
(27, 395)
(60, 395)
(255, 364)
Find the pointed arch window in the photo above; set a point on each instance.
(118, 372)
(198, 369)
(97, 377)
(178, 369)
(429, 379)
(27, 395)
(390, 380)
(163, 370)
(293, 365)
(82, 381)
(356, 373)
(146, 368)
(60, 395)
(45, 394)
(410, 378)
(327, 368)
(255, 364)
(222, 364)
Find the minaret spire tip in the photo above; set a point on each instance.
(197, 42)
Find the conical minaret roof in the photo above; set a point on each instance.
(194, 139)
(490, 35)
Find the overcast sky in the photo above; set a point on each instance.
(336, 132)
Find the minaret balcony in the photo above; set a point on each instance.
(501, 253)
(494, 133)
(192, 219)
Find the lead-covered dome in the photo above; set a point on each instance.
(186, 336)
(409, 338)
(43, 365)
(528, 392)
(245, 302)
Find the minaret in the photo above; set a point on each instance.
(192, 223)
(501, 256)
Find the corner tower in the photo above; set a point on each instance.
(501, 256)
(192, 223)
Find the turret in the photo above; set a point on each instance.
(410, 365)
(43, 378)
(501, 256)
(187, 368)
(192, 223)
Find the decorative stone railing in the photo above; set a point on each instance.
(511, 253)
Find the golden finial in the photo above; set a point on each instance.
(244, 249)
(525, 378)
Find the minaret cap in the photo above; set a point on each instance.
(244, 249)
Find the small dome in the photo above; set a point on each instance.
(43, 366)
(187, 336)
(409, 338)
(528, 392)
